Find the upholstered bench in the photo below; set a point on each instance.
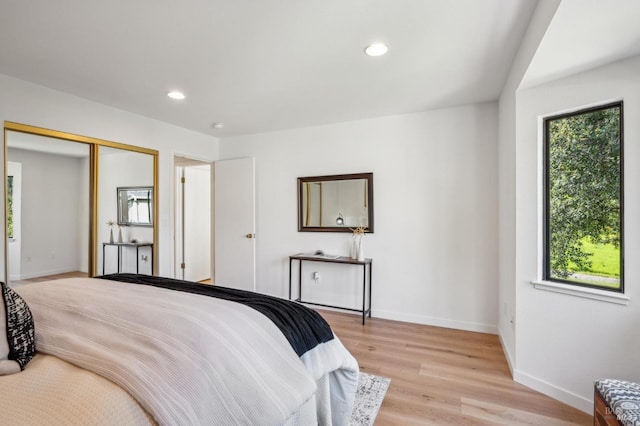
(616, 402)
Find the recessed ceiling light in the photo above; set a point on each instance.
(376, 49)
(217, 125)
(174, 94)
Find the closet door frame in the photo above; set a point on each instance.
(94, 146)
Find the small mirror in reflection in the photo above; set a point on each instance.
(135, 206)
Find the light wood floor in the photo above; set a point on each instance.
(445, 377)
(50, 277)
(438, 376)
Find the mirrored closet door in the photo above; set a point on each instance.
(64, 201)
(125, 213)
(47, 206)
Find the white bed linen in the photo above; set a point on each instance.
(230, 364)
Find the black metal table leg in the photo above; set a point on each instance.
(290, 262)
(370, 278)
(300, 280)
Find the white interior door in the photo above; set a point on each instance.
(193, 209)
(197, 223)
(234, 219)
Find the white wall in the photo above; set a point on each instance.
(50, 219)
(564, 342)
(507, 176)
(27, 103)
(435, 246)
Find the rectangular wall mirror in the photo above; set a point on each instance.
(135, 206)
(336, 203)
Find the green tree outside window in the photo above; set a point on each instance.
(583, 194)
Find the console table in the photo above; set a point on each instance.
(340, 260)
(134, 245)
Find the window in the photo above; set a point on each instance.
(583, 198)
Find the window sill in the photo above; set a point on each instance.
(589, 293)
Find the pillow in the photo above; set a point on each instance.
(17, 334)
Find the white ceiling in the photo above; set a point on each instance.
(585, 34)
(46, 144)
(264, 65)
(268, 65)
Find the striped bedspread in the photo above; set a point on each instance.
(304, 328)
(187, 359)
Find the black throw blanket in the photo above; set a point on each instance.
(303, 327)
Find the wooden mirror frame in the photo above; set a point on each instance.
(304, 180)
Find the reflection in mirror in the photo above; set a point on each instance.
(61, 192)
(337, 203)
(47, 207)
(135, 206)
(121, 169)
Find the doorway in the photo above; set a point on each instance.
(193, 252)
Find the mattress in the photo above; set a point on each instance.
(96, 338)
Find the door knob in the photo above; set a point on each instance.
(250, 235)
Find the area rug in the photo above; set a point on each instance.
(369, 396)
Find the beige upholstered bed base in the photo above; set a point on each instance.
(53, 392)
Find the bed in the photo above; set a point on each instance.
(135, 349)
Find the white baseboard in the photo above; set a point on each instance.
(563, 395)
(48, 272)
(507, 354)
(581, 403)
(555, 392)
(436, 322)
